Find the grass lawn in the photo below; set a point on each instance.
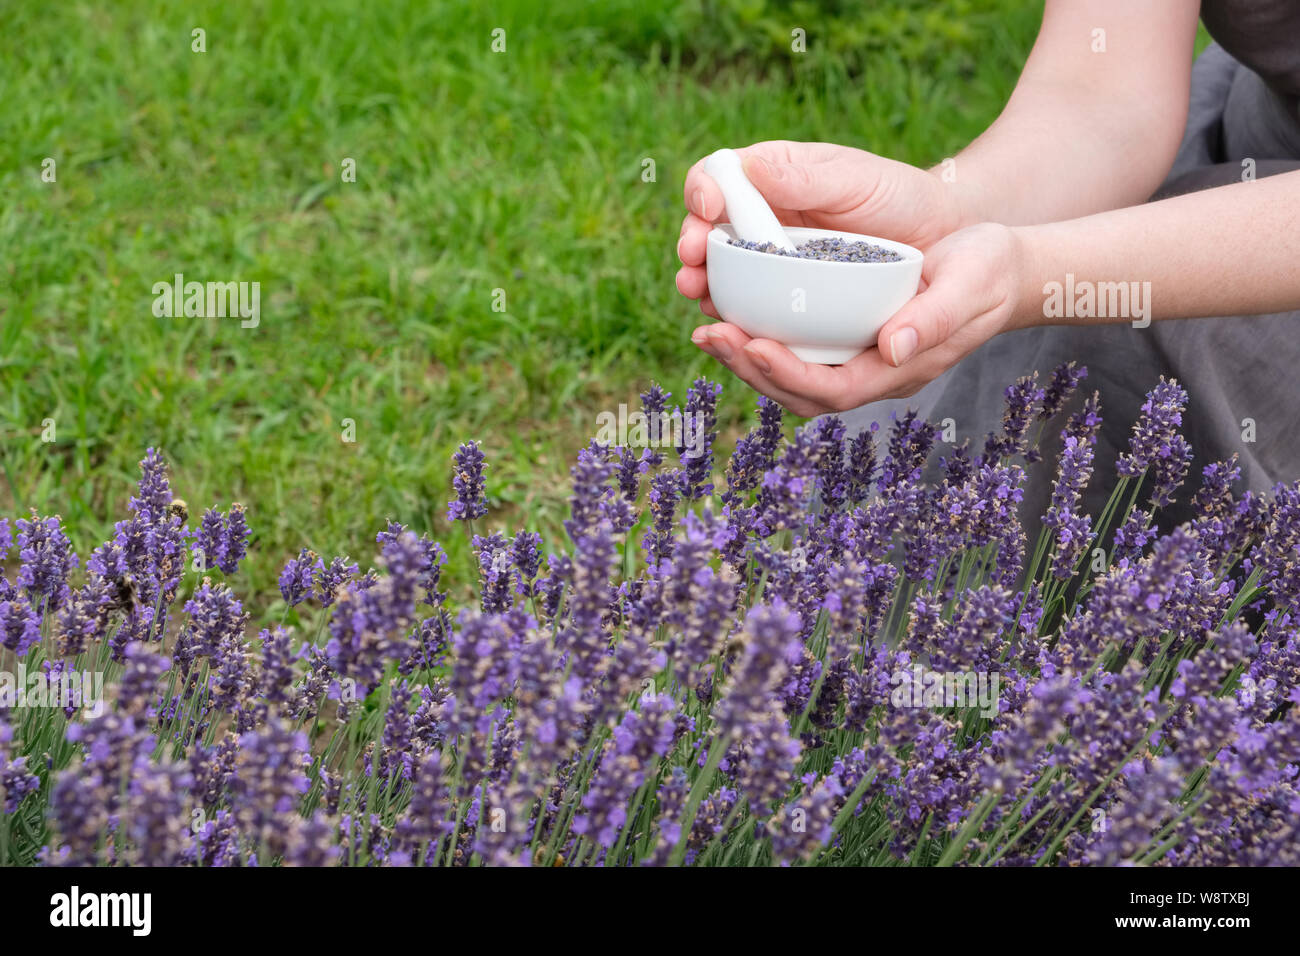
(475, 171)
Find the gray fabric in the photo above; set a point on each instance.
(1263, 35)
(1233, 368)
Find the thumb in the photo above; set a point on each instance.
(794, 186)
(924, 322)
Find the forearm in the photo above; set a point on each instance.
(1220, 252)
(1095, 119)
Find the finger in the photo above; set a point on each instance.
(865, 378)
(692, 282)
(801, 185)
(708, 308)
(927, 320)
(692, 245)
(731, 346)
(703, 197)
(725, 342)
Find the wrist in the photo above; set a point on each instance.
(962, 199)
(1030, 259)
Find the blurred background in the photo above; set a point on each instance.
(523, 171)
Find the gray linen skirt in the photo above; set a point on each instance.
(1234, 368)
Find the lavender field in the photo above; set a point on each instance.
(813, 652)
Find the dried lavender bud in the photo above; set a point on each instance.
(830, 249)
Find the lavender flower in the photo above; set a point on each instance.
(1072, 529)
(367, 629)
(654, 405)
(47, 559)
(468, 482)
(330, 579)
(751, 676)
(638, 742)
(665, 490)
(1024, 401)
(861, 467)
(910, 441)
(782, 499)
(297, 577)
(1065, 381)
(20, 628)
(755, 453)
(697, 453)
(769, 642)
(15, 782)
(1155, 433)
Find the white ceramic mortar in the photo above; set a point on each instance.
(825, 312)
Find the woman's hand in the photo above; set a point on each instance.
(973, 287)
(824, 186)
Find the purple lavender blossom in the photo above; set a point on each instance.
(910, 440)
(330, 579)
(215, 615)
(468, 482)
(1155, 432)
(639, 741)
(783, 497)
(755, 453)
(751, 661)
(15, 781)
(526, 555)
(495, 567)
(297, 576)
(1065, 381)
(268, 784)
(861, 467)
(20, 627)
(665, 491)
(276, 677)
(769, 641)
(654, 405)
(47, 559)
(696, 452)
(1071, 528)
(1024, 401)
(832, 477)
(368, 628)
(140, 677)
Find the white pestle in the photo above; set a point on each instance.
(747, 210)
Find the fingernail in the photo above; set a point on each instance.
(720, 346)
(902, 344)
(679, 248)
(700, 337)
(700, 210)
(757, 358)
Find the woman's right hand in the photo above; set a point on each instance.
(824, 186)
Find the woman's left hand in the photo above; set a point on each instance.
(971, 290)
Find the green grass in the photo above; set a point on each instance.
(476, 171)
